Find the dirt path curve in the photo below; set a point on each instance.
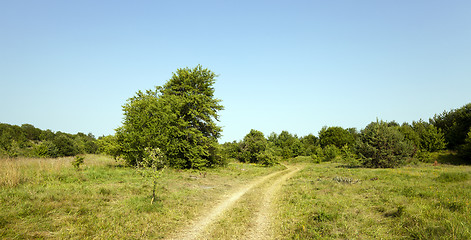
(262, 228)
(195, 229)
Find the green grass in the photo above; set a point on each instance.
(49, 198)
(328, 201)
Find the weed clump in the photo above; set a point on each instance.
(78, 161)
(452, 177)
(345, 180)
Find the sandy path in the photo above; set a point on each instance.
(194, 230)
(261, 228)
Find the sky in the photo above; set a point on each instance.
(283, 65)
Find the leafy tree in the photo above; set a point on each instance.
(288, 144)
(464, 150)
(143, 126)
(46, 149)
(65, 145)
(47, 135)
(178, 118)
(410, 134)
(232, 149)
(310, 143)
(108, 145)
(31, 132)
(454, 125)
(331, 153)
(254, 143)
(336, 136)
(431, 138)
(383, 146)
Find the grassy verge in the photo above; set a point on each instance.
(49, 198)
(328, 201)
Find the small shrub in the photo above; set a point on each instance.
(397, 213)
(464, 151)
(331, 153)
(316, 159)
(322, 216)
(424, 156)
(345, 180)
(152, 166)
(78, 161)
(266, 158)
(452, 177)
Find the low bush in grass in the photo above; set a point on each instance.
(447, 177)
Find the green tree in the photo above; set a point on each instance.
(431, 138)
(383, 146)
(336, 136)
(410, 134)
(31, 132)
(108, 145)
(178, 118)
(287, 144)
(310, 144)
(454, 125)
(46, 149)
(65, 145)
(253, 145)
(232, 149)
(464, 151)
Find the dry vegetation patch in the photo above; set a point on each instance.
(49, 198)
(416, 202)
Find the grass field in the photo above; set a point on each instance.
(49, 198)
(413, 202)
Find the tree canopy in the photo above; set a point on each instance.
(178, 118)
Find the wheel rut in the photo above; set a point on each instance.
(261, 227)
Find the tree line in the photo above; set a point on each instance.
(179, 121)
(380, 144)
(29, 141)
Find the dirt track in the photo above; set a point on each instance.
(261, 226)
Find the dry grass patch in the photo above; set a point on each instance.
(104, 200)
(414, 202)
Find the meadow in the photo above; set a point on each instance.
(50, 199)
(332, 201)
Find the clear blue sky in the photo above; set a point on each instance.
(284, 65)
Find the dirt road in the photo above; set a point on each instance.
(266, 186)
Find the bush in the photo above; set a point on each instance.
(452, 177)
(77, 162)
(252, 146)
(336, 136)
(46, 149)
(464, 151)
(383, 146)
(267, 158)
(423, 156)
(65, 146)
(331, 153)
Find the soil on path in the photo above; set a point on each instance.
(261, 229)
